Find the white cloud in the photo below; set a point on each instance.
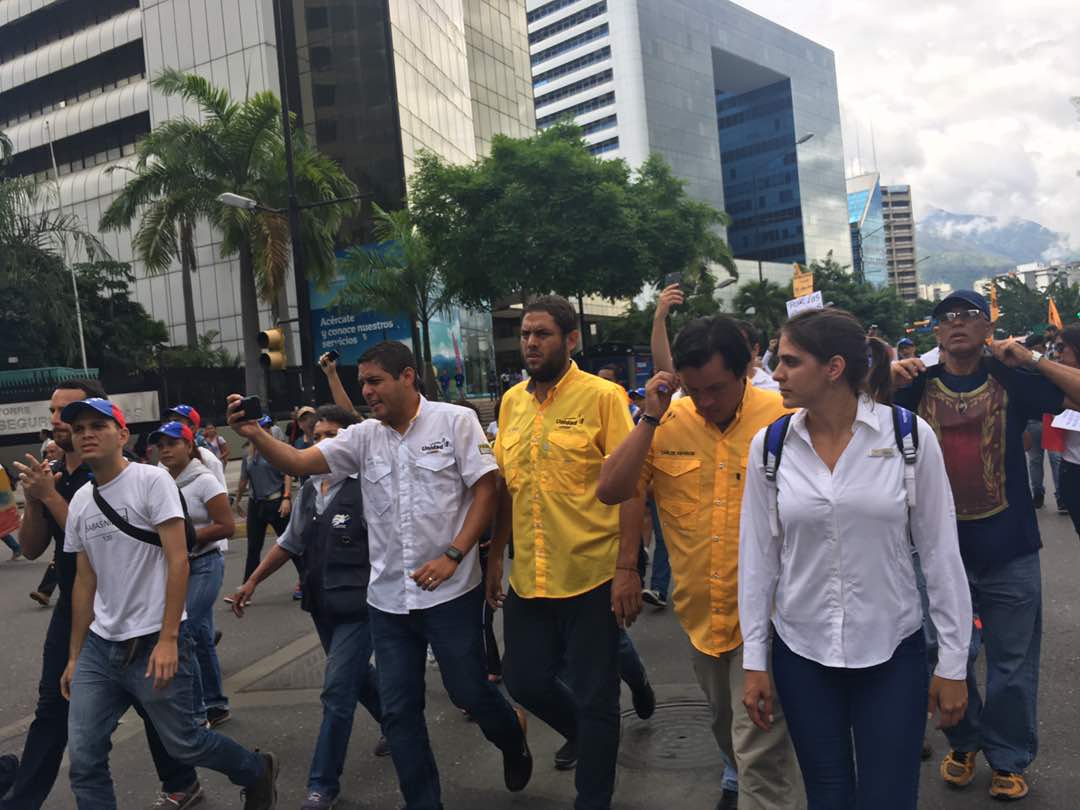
(968, 101)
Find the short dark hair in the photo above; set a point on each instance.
(558, 308)
(335, 413)
(702, 338)
(92, 388)
(391, 356)
(750, 332)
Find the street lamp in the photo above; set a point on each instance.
(71, 268)
(236, 201)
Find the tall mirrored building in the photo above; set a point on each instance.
(866, 221)
(743, 109)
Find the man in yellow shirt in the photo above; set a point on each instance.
(572, 581)
(693, 452)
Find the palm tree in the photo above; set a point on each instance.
(400, 275)
(765, 301)
(238, 147)
(6, 148)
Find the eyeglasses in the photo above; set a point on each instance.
(963, 316)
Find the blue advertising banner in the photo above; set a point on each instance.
(351, 331)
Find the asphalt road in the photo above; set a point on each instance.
(273, 669)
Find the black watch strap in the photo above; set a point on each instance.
(649, 419)
(454, 554)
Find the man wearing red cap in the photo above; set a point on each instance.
(128, 643)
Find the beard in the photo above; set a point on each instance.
(62, 437)
(551, 368)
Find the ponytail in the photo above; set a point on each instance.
(879, 378)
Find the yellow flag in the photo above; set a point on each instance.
(993, 303)
(1052, 316)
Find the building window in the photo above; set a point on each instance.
(325, 131)
(321, 57)
(599, 125)
(548, 9)
(317, 17)
(570, 44)
(565, 23)
(324, 94)
(579, 86)
(574, 64)
(606, 100)
(601, 147)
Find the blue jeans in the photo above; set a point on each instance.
(1036, 472)
(661, 568)
(349, 678)
(1004, 724)
(109, 678)
(456, 637)
(204, 587)
(47, 736)
(857, 732)
(12, 543)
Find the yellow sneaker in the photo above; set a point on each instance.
(1008, 787)
(958, 768)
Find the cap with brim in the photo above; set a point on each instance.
(304, 411)
(638, 392)
(177, 430)
(969, 297)
(265, 421)
(97, 405)
(905, 342)
(187, 412)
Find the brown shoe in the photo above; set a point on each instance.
(958, 768)
(1008, 787)
(40, 598)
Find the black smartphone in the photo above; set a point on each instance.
(251, 408)
(672, 278)
(332, 355)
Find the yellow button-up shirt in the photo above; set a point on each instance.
(565, 541)
(697, 474)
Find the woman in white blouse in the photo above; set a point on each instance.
(829, 589)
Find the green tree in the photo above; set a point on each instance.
(636, 326)
(870, 304)
(1020, 307)
(239, 147)
(1066, 298)
(120, 335)
(764, 303)
(400, 274)
(542, 215)
(206, 354)
(6, 148)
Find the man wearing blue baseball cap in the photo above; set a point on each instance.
(128, 641)
(905, 349)
(979, 400)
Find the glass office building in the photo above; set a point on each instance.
(866, 221)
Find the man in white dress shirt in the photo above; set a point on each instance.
(428, 482)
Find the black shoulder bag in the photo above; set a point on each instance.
(144, 535)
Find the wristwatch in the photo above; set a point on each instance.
(1035, 358)
(649, 419)
(454, 554)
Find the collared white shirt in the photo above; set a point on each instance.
(839, 582)
(417, 491)
(763, 379)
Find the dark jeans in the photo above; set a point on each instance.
(541, 633)
(1004, 723)
(1070, 491)
(491, 643)
(108, 679)
(661, 567)
(260, 515)
(48, 580)
(857, 732)
(47, 736)
(349, 678)
(455, 636)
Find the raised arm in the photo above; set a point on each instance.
(280, 455)
(659, 342)
(621, 470)
(337, 390)
(39, 487)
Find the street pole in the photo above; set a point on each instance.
(71, 268)
(303, 299)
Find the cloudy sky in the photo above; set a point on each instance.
(969, 100)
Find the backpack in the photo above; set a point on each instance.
(144, 535)
(905, 431)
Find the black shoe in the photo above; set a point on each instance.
(518, 766)
(566, 757)
(1039, 499)
(644, 700)
(382, 747)
(654, 598)
(216, 716)
(729, 800)
(263, 794)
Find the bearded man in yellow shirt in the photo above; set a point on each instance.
(693, 452)
(572, 581)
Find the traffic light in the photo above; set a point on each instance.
(272, 343)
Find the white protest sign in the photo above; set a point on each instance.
(1067, 420)
(804, 302)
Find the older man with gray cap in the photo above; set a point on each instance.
(978, 400)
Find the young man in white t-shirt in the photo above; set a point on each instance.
(128, 643)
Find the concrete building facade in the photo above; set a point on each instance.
(644, 76)
(900, 240)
